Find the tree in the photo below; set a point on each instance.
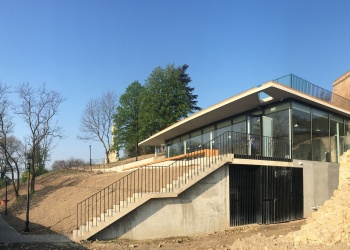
(38, 108)
(126, 120)
(167, 98)
(11, 149)
(97, 120)
(68, 164)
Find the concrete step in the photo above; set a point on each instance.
(172, 189)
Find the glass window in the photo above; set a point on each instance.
(301, 127)
(276, 108)
(223, 127)
(280, 124)
(347, 135)
(320, 136)
(208, 136)
(239, 124)
(196, 140)
(174, 148)
(336, 135)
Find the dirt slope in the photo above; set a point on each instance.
(53, 206)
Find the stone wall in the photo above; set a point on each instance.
(341, 87)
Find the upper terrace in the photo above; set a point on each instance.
(308, 88)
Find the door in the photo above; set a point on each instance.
(267, 140)
(260, 130)
(254, 135)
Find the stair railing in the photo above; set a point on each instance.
(164, 178)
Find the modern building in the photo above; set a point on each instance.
(267, 155)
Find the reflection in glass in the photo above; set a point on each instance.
(347, 135)
(336, 131)
(301, 126)
(320, 136)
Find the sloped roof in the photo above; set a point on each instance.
(235, 105)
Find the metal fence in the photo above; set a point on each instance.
(164, 179)
(307, 87)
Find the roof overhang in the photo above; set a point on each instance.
(240, 103)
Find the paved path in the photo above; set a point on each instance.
(10, 235)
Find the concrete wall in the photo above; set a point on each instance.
(203, 208)
(320, 180)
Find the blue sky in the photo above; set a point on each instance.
(83, 48)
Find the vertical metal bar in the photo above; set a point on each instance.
(119, 203)
(112, 196)
(104, 204)
(108, 200)
(92, 210)
(77, 227)
(88, 215)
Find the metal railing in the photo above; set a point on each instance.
(163, 179)
(307, 87)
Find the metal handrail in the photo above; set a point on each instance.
(307, 87)
(163, 179)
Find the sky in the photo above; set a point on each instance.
(83, 48)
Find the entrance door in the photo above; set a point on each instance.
(267, 129)
(254, 135)
(260, 130)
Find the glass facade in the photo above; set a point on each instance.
(301, 118)
(311, 134)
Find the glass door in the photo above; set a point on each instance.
(254, 135)
(267, 128)
(260, 132)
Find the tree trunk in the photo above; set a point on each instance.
(32, 181)
(107, 157)
(15, 184)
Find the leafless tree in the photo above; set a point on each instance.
(68, 164)
(97, 120)
(38, 109)
(11, 149)
(6, 125)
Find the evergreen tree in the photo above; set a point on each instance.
(167, 98)
(126, 120)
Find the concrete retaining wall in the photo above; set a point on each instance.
(203, 208)
(320, 180)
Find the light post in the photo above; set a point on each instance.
(90, 157)
(6, 197)
(2, 162)
(26, 228)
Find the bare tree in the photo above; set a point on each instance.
(6, 125)
(11, 149)
(38, 108)
(68, 164)
(97, 120)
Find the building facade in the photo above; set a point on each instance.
(267, 155)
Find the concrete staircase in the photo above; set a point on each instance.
(135, 200)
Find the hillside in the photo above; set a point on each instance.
(53, 206)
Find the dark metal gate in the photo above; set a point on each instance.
(243, 195)
(265, 194)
